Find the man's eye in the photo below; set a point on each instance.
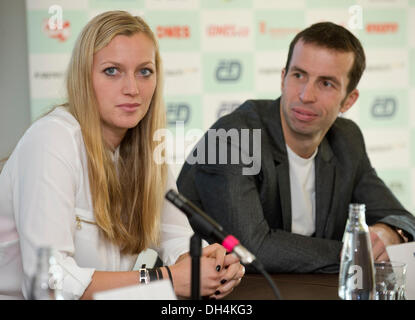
(327, 84)
(111, 71)
(297, 75)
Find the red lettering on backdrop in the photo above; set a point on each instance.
(227, 30)
(179, 32)
(391, 27)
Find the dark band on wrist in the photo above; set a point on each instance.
(153, 274)
(170, 276)
(159, 273)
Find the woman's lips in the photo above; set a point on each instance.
(304, 114)
(129, 107)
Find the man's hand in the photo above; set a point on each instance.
(381, 236)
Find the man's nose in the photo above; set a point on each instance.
(307, 93)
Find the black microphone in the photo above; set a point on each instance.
(207, 227)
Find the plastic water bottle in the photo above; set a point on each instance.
(47, 280)
(357, 274)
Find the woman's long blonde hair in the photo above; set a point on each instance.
(127, 200)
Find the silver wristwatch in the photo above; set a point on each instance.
(144, 275)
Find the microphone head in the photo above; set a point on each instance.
(171, 195)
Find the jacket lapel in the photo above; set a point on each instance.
(325, 175)
(279, 152)
(282, 171)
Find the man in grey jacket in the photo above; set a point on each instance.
(291, 213)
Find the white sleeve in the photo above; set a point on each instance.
(175, 229)
(44, 189)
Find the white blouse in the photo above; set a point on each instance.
(45, 201)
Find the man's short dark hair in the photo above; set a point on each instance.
(333, 36)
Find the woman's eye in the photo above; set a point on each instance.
(111, 71)
(146, 72)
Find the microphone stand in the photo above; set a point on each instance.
(195, 253)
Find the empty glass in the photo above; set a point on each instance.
(390, 280)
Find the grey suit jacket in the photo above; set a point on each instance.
(257, 209)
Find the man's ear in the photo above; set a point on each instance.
(282, 78)
(349, 100)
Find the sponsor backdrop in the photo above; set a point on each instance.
(218, 53)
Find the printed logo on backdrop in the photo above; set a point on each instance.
(221, 104)
(384, 107)
(177, 31)
(227, 73)
(173, 72)
(384, 65)
(268, 67)
(276, 29)
(389, 148)
(227, 31)
(182, 73)
(178, 112)
(228, 70)
(184, 109)
(223, 31)
(173, 32)
(54, 32)
(60, 34)
(46, 72)
(382, 28)
(48, 75)
(276, 32)
(270, 71)
(385, 26)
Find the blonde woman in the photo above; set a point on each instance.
(82, 179)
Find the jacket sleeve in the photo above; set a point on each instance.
(381, 204)
(232, 199)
